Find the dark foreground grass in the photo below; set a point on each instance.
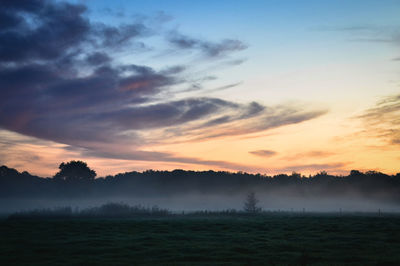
(183, 240)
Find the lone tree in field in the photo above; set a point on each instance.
(250, 205)
(75, 171)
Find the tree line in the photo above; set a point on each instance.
(76, 179)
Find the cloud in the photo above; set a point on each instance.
(350, 28)
(210, 49)
(241, 119)
(112, 36)
(225, 87)
(165, 114)
(98, 58)
(383, 120)
(272, 117)
(61, 81)
(312, 154)
(58, 28)
(333, 167)
(235, 62)
(48, 31)
(263, 153)
(368, 33)
(45, 105)
(197, 85)
(113, 13)
(167, 157)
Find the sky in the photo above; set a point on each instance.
(256, 86)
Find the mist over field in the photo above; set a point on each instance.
(75, 186)
(199, 202)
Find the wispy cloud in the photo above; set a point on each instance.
(349, 28)
(383, 120)
(225, 87)
(263, 153)
(309, 154)
(337, 168)
(240, 119)
(367, 33)
(210, 49)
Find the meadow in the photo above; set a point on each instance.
(204, 239)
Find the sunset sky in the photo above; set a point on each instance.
(257, 86)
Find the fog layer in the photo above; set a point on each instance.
(190, 191)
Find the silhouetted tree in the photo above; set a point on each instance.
(296, 175)
(322, 173)
(354, 173)
(250, 205)
(75, 171)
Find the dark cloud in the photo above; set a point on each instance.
(58, 29)
(166, 114)
(111, 36)
(46, 105)
(24, 5)
(9, 20)
(383, 120)
(47, 30)
(60, 81)
(210, 49)
(263, 153)
(144, 80)
(97, 58)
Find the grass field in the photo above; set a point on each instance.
(182, 240)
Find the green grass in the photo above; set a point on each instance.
(182, 240)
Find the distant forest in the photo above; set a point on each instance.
(76, 180)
